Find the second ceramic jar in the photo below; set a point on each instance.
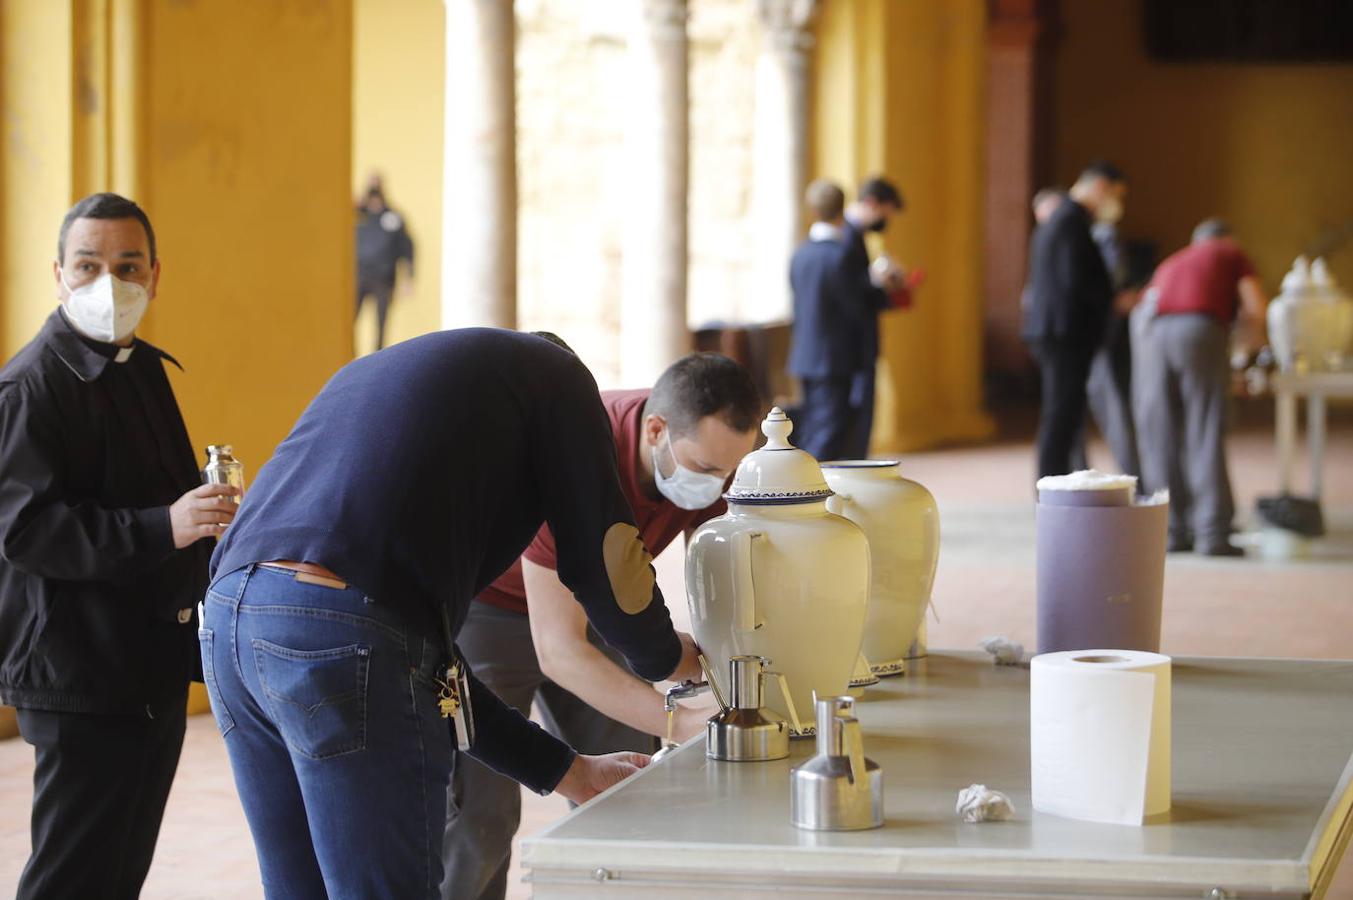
(902, 523)
(780, 576)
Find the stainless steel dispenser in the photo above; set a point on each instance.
(838, 789)
(744, 730)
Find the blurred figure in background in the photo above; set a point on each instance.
(1180, 336)
(383, 242)
(1070, 299)
(1109, 388)
(837, 298)
(1045, 203)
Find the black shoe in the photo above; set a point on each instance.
(1225, 549)
(1179, 544)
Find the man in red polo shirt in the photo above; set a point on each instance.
(1181, 335)
(676, 446)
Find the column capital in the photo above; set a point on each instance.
(785, 23)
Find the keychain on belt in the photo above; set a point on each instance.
(453, 701)
(453, 696)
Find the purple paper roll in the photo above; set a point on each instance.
(1101, 576)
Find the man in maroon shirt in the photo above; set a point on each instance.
(676, 446)
(1181, 334)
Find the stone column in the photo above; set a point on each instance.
(653, 327)
(1016, 110)
(479, 180)
(779, 158)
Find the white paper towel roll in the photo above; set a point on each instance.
(1099, 734)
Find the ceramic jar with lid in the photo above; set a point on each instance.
(1310, 324)
(780, 576)
(902, 522)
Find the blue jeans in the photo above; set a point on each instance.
(329, 713)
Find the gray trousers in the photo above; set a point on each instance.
(1180, 381)
(1108, 391)
(483, 807)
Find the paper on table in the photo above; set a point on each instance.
(1099, 733)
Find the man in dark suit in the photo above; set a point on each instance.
(836, 307)
(1070, 299)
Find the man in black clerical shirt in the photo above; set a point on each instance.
(102, 561)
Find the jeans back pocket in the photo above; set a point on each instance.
(317, 698)
(205, 639)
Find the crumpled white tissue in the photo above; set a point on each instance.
(978, 803)
(1004, 651)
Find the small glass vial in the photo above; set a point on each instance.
(223, 468)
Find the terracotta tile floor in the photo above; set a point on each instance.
(984, 586)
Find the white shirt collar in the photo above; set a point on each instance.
(824, 231)
(124, 354)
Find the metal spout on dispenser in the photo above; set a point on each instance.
(839, 789)
(744, 730)
(683, 691)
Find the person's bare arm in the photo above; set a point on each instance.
(1254, 310)
(568, 658)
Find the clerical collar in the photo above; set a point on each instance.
(108, 351)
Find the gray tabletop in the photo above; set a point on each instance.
(1263, 800)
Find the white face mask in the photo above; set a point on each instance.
(107, 309)
(685, 487)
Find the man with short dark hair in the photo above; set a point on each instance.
(1070, 299)
(102, 562)
(1180, 338)
(528, 638)
(837, 299)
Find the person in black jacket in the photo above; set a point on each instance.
(383, 242)
(1070, 297)
(102, 561)
(837, 301)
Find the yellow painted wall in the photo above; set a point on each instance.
(231, 125)
(1267, 146)
(397, 102)
(247, 181)
(898, 89)
(35, 160)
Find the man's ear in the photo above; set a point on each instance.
(653, 427)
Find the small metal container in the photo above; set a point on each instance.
(223, 468)
(745, 730)
(838, 789)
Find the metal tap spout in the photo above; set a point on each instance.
(683, 691)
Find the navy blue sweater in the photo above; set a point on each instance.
(420, 473)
